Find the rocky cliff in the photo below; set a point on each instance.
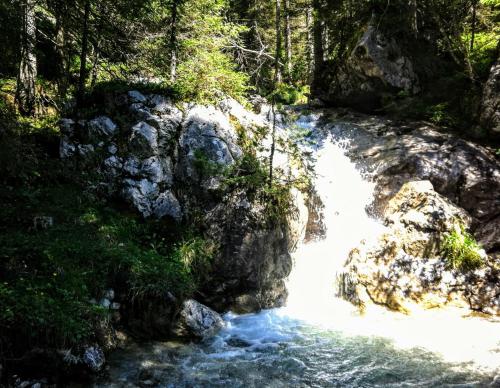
(168, 162)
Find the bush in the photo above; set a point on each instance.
(461, 250)
(48, 276)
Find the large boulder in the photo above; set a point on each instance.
(405, 267)
(375, 67)
(490, 111)
(197, 321)
(208, 140)
(253, 260)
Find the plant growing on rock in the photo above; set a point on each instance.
(461, 250)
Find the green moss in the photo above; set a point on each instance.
(461, 250)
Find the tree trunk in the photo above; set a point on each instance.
(84, 54)
(173, 40)
(61, 48)
(26, 79)
(310, 43)
(473, 25)
(318, 48)
(288, 40)
(277, 70)
(413, 17)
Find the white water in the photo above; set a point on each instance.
(321, 341)
(346, 196)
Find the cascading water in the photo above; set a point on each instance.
(317, 339)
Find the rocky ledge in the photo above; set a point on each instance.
(166, 162)
(429, 185)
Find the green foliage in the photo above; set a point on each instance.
(289, 94)
(439, 114)
(49, 275)
(461, 250)
(251, 175)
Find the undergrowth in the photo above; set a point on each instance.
(461, 251)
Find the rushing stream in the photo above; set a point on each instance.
(318, 340)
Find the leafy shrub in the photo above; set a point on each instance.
(290, 94)
(461, 250)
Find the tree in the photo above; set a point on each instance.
(288, 39)
(174, 14)
(83, 53)
(26, 79)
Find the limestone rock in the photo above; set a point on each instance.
(404, 268)
(197, 321)
(375, 66)
(101, 127)
(136, 97)
(144, 139)
(207, 133)
(167, 205)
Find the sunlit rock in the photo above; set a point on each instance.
(197, 321)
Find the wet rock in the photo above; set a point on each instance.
(253, 258)
(197, 321)
(394, 153)
(404, 267)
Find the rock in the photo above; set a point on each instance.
(375, 66)
(141, 194)
(93, 358)
(395, 153)
(110, 294)
(152, 169)
(297, 220)
(67, 126)
(490, 107)
(404, 267)
(66, 148)
(208, 134)
(112, 149)
(85, 150)
(105, 302)
(167, 205)
(197, 321)
(252, 260)
(144, 139)
(101, 127)
(136, 97)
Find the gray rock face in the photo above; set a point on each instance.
(490, 114)
(206, 134)
(375, 66)
(197, 321)
(144, 139)
(101, 127)
(253, 260)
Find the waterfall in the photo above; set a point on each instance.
(345, 195)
